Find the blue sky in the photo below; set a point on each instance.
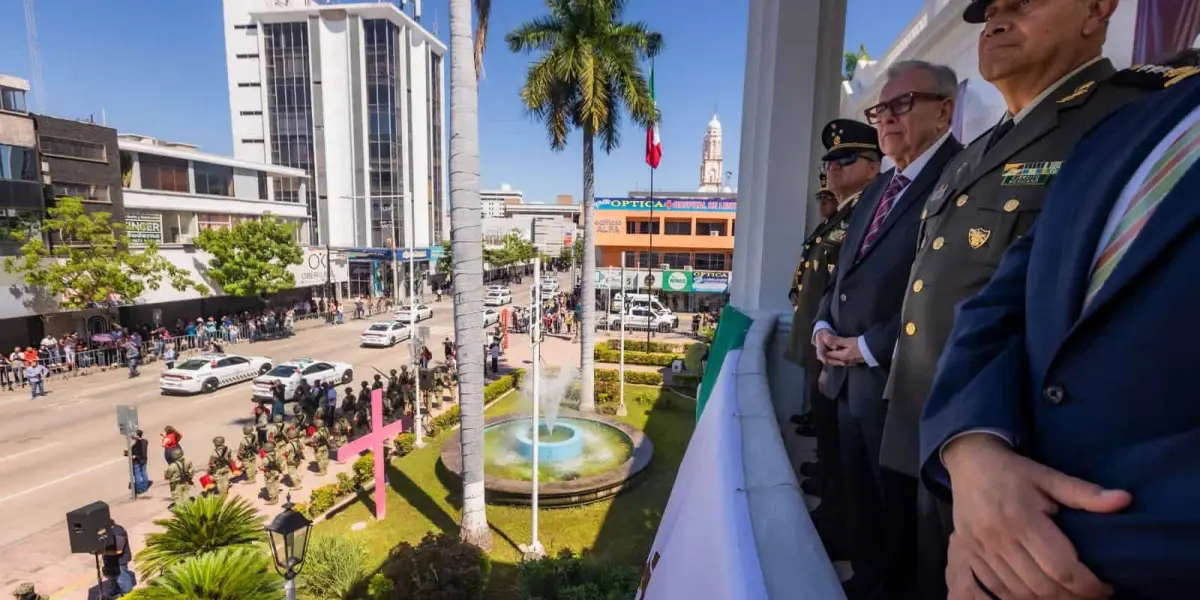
(157, 67)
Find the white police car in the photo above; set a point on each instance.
(207, 372)
(385, 333)
(290, 372)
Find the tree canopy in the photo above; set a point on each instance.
(89, 262)
(252, 257)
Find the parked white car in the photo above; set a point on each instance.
(207, 372)
(385, 333)
(496, 298)
(289, 373)
(404, 315)
(490, 316)
(643, 318)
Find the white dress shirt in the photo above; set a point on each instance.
(911, 172)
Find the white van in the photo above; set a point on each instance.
(639, 301)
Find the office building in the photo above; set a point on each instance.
(353, 94)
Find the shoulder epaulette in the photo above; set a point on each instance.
(1161, 75)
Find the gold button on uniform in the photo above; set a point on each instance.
(1012, 205)
(918, 285)
(910, 328)
(961, 200)
(938, 243)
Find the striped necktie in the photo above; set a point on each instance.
(1166, 172)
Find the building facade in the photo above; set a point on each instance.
(353, 94)
(81, 160)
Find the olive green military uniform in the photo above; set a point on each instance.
(985, 200)
(247, 453)
(320, 444)
(272, 468)
(179, 479)
(294, 453)
(220, 465)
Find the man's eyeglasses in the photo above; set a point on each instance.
(898, 106)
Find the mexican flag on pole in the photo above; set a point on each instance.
(653, 143)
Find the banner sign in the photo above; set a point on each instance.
(722, 205)
(704, 547)
(715, 282)
(143, 227)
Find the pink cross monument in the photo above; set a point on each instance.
(375, 441)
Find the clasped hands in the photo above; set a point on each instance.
(837, 351)
(1004, 535)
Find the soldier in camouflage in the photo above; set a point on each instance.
(272, 468)
(220, 465)
(247, 453)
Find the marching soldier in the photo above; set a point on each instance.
(275, 429)
(294, 453)
(320, 445)
(178, 476)
(247, 453)
(220, 465)
(272, 468)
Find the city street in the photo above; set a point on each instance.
(63, 451)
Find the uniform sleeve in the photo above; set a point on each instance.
(981, 372)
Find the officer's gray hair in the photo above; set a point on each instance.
(945, 80)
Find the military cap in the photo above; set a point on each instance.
(845, 137)
(23, 589)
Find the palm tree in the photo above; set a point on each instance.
(227, 574)
(202, 526)
(467, 256)
(587, 73)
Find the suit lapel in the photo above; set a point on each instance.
(1040, 121)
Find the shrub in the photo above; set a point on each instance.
(441, 567)
(404, 444)
(570, 577)
(643, 346)
(334, 565)
(608, 355)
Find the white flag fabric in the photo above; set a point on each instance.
(704, 547)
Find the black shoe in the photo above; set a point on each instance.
(811, 470)
(807, 430)
(810, 488)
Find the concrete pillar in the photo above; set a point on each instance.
(792, 88)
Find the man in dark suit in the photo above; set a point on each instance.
(859, 320)
(1044, 58)
(1064, 417)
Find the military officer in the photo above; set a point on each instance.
(178, 476)
(272, 468)
(220, 465)
(26, 591)
(1045, 60)
(247, 453)
(320, 445)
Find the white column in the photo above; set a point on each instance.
(793, 78)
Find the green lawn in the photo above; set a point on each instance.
(619, 530)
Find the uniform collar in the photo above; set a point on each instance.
(1017, 118)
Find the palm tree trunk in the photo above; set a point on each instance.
(467, 255)
(587, 292)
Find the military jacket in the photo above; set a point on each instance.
(818, 260)
(985, 200)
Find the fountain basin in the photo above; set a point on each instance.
(562, 444)
(613, 454)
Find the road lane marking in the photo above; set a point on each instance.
(62, 479)
(29, 451)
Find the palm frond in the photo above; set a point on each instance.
(226, 574)
(204, 525)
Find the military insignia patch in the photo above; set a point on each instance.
(977, 237)
(1030, 173)
(1079, 91)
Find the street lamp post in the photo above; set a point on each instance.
(288, 534)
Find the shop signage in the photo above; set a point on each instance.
(710, 281)
(314, 268)
(724, 205)
(143, 227)
(610, 226)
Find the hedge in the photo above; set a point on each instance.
(642, 346)
(634, 377)
(650, 359)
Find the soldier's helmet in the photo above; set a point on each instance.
(269, 446)
(175, 453)
(219, 441)
(277, 418)
(247, 430)
(319, 422)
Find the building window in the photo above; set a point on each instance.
(677, 260)
(12, 100)
(164, 173)
(249, 84)
(250, 113)
(716, 228)
(642, 226)
(247, 56)
(248, 27)
(73, 149)
(88, 192)
(214, 180)
(710, 261)
(679, 227)
(18, 163)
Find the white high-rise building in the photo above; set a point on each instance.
(353, 94)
